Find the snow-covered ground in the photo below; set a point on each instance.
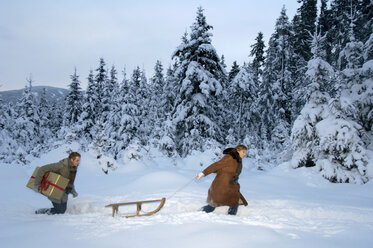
(287, 208)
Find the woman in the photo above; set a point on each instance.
(225, 189)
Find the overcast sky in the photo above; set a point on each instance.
(49, 38)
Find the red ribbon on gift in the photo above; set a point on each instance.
(44, 185)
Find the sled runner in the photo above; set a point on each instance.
(115, 207)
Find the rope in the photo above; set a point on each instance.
(180, 189)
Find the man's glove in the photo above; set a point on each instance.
(75, 194)
(36, 188)
(199, 175)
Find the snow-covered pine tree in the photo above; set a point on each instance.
(100, 145)
(4, 134)
(167, 143)
(364, 98)
(110, 92)
(87, 117)
(124, 85)
(303, 25)
(257, 52)
(323, 138)
(111, 120)
(198, 77)
(275, 98)
(112, 126)
(26, 129)
(45, 119)
(339, 28)
(73, 102)
(69, 131)
(351, 56)
(56, 119)
(2, 113)
(356, 94)
(324, 23)
(243, 94)
(156, 112)
(8, 145)
(142, 94)
(234, 71)
(170, 89)
(304, 137)
(222, 61)
(157, 83)
(129, 117)
(364, 20)
(231, 137)
(254, 134)
(368, 48)
(100, 81)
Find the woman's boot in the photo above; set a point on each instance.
(208, 208)
(232, 210)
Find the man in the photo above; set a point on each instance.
(67, 168)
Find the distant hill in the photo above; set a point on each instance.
(52, 93)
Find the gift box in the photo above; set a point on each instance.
(52, 185)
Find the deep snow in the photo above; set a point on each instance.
(287, 208)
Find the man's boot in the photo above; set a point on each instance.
(43, 211)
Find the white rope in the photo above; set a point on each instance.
(180, 189)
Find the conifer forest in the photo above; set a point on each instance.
(306, 97)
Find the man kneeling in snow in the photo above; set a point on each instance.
(67, 168)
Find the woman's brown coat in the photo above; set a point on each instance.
(222, 191)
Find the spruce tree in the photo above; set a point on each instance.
(257, 52)
(166, 134)
(157, 113)
(338, 32)
(364, 20)
(45, 119)
(324, 23)
(26, 128)
(109, 94)
(198, 77)
(73, 102)
(243, 94)
(276, 94)
(129, 117)
(304, 27)
(323, 136)
(234, 71)
(87, 117)
(142, 94)
(56, 116)
(8, 143)
(100, 82)
(355, 88)
(2, 113)
(111, 120)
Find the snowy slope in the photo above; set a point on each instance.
(287, 208)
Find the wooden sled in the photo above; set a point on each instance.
(115, 207)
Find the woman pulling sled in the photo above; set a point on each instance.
(225, 189)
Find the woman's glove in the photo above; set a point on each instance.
(199, 175)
